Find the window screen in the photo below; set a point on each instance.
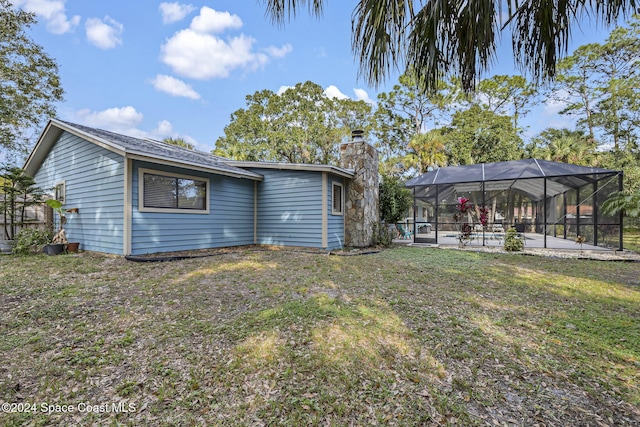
(337, 199)
(169, 192)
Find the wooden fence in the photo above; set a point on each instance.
(36, 216)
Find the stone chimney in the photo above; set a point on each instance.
(361, 214)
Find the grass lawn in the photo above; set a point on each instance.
(632, 238)
(408, 336)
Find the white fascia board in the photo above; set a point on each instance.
(185, 165)
(347, 173)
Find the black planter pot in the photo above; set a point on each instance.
(6, 246)
(53, 249)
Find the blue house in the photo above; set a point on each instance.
(132, 196)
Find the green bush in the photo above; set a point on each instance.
(383, 235)
(513, 243)
(395, 200)
(31, 240)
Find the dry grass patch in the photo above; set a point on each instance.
(408, 336)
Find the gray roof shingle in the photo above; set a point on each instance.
(163, 151)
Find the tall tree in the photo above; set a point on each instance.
(301, 125)
(404, 113)
(478, 135)
(443, 37)
(576, 86)
(600, 84)
(507, 95)
(29, 82)
(619, 82)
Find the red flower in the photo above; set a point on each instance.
(484, 216)
(462, 205)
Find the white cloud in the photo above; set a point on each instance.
(279, 52)
(174, 12)
(174, 87)
(362, 95)
(164, 129)
(196, 53)
(333, 92)
(553, 107)
(105, 33)
(282, 89)
(125, 121)
(53, 11)
(117, 119)
(213, 21)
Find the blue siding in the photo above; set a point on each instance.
(229, 222)
(290, 208)
(94, 181)
(335, 229)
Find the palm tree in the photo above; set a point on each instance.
(443, 37)
(180, 142)
(570, 147)
(627, 203)
(427, 150)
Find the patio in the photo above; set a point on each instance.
(550, 204)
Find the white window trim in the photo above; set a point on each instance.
(64, 191)
(141, 208)
(333, 185)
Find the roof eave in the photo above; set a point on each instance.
(195, 166)
(347, 173)
(50, 135)
(55, 128)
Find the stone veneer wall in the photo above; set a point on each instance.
(361, 214)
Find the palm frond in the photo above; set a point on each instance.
(285, 10)
(378, 36)
(628, 204)
(458, 37)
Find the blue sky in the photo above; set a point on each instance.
(159, 69)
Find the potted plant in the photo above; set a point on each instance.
(59, 242)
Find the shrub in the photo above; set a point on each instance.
(383, 235)
(31, 240)
(395, 200)
(513, 243)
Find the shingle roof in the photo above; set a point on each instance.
(160, 150)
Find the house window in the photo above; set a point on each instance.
(337, 205)
(168, 192)
(60, 192)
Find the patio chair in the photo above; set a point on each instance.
(402, 233)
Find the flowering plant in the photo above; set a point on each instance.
(484, 216)
(462, 207)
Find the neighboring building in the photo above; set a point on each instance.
(136, 196)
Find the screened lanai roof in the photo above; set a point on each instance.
(525, 176)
